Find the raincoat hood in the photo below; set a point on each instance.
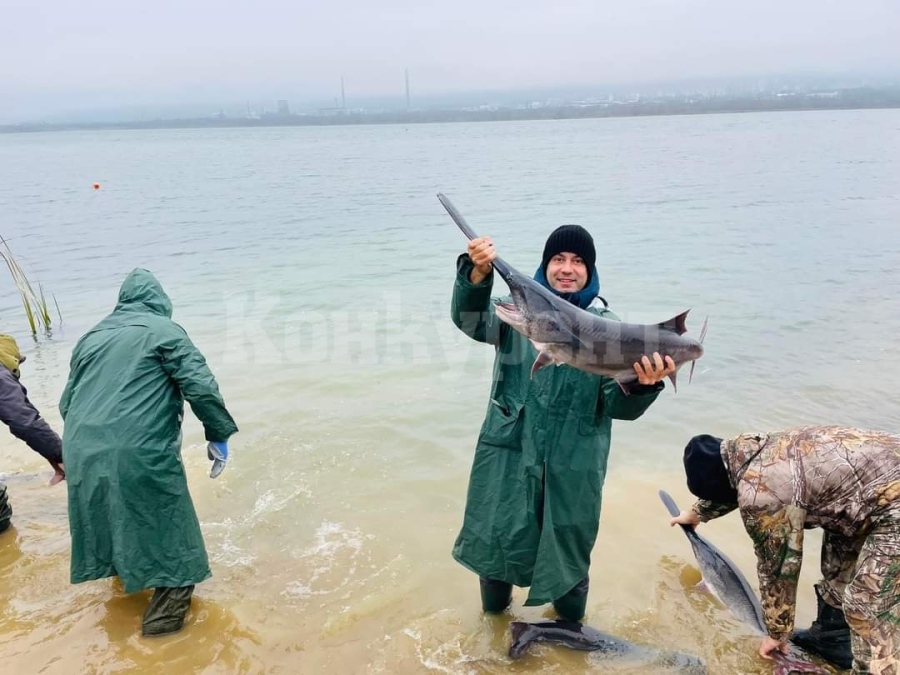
(142, 292)
(10, 355)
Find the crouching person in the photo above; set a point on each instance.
(845, 481)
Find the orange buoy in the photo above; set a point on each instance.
(96, 186)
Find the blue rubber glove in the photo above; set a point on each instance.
(218, 454)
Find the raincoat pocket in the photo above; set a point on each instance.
(587, 424)
(502, 426)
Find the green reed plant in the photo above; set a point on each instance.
(37, 312)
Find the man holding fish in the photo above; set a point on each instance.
(843, 480)
(533, 505)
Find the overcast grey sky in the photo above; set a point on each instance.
(54, 53)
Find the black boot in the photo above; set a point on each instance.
(5, 509)
(571, 606)
(829, 635)
(167, 610)
(495, 595)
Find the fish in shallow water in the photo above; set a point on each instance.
(723, 578)
(564, 333)
(577, 636)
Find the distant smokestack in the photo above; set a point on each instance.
(407, 88)
(343, 97)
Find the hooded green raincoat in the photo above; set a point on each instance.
(533, 504)
(130, 512)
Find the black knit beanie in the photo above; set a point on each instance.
(570, 239)
(707, 477)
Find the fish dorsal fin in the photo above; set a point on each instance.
(676, 323)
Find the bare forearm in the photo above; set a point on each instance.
(476, 276)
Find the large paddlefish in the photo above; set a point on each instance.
(576, 635)
(564, 333)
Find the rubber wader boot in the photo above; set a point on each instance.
(5, 508)
(495, 595)
(829, 635)
(167, 610)
(571, 606)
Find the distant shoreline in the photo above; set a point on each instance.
(843, 100)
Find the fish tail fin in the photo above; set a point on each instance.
(678, 324)
(702, 338)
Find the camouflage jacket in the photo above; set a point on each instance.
(840, 479)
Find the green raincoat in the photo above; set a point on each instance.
(533, 504)
(130, 512)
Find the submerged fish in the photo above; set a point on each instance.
(723, 578)
(576, 635)
(564, 333)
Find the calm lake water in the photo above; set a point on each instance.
(314, 267)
